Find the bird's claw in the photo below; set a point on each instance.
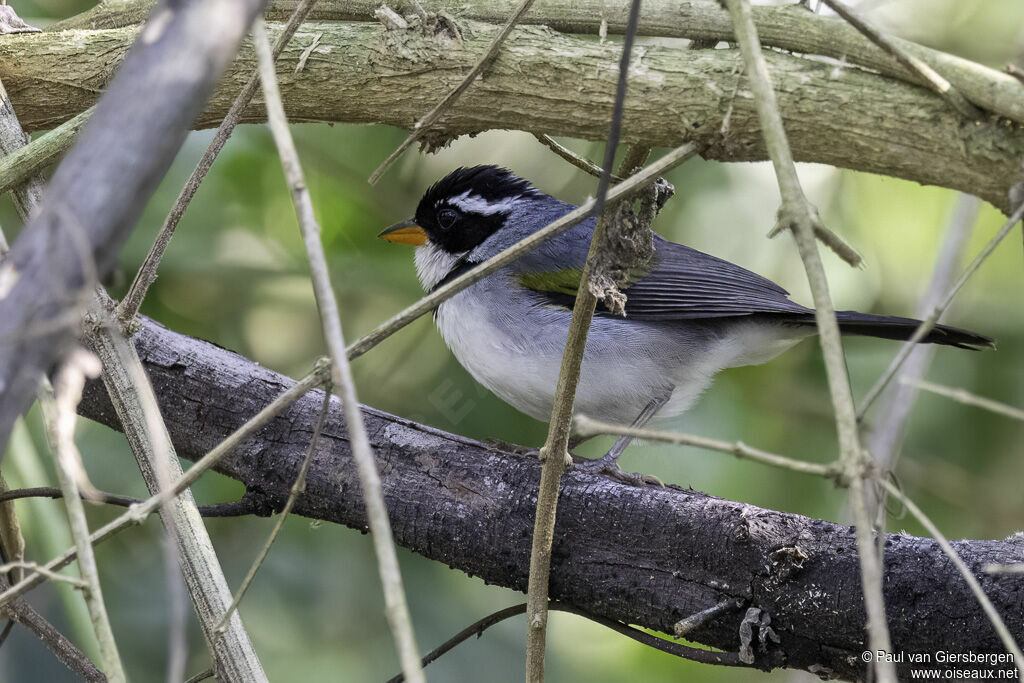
(611, 468)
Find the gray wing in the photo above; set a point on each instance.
(684, 283)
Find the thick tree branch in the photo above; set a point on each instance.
(645, 556)
(846, 117)
(789, 27)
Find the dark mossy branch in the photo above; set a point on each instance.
(645, 556)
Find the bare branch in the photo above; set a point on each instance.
(797, 213)
(966, 397)
(431, 117)
(586, 426)
(585, 165)
(913, 64)
(396, 608)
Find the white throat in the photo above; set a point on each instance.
(433, 264)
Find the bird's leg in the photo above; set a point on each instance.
(608, 463)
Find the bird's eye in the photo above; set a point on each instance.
(446, 218)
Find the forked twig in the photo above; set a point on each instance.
(396, 608)
(928, 323)
(434, 114)
(797, 213)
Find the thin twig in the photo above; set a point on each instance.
(586, 426)
(683, 627)
(45, 571)
(582, 163)
(928, 323)
(59, 411)
(554, 455)
(138, 513)
(396, 608)
(201, 676)
(935, 81)
(797, 213)
(434, 114)
(297, 487)
(994, 568)
(428, 303)
(967, 398)
(682, 651)
(146, 275)
(887, 432)
(990, 611)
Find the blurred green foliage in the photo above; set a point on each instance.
(236, 274)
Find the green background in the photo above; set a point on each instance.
(236, 274)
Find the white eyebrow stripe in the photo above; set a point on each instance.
(477, 204)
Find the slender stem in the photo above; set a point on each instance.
(59, 411)
(913, 64)
(797, 212)
(586, 426)
(138, 513)
(928, 323)
(146, 275)
(990, 611)
(585, 165)
(297, 487)
(428, 303)
(397, 609)
(555, 452)
(434, 114)
(478, 627)
(966, 397)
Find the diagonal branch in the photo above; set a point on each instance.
(798, 214)
(396, 607)
(100, 188)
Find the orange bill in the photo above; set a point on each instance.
(406, 232)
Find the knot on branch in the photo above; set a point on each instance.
(627, 246)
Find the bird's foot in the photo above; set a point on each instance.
(607, 465)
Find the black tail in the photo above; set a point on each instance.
(891, 327)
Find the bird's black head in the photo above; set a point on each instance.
(464, 208)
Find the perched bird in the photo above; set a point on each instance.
(687, 316)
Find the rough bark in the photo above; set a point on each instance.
(789, 27)
(361, 73)
(645, 556)
(100, 188)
